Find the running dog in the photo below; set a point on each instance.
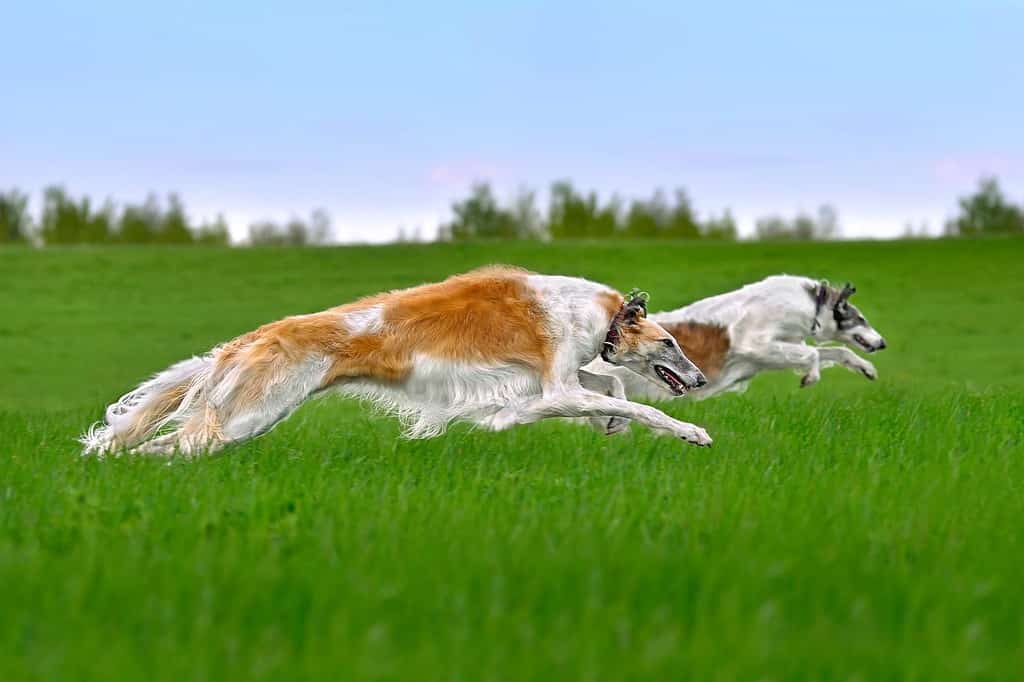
(763, 326)
(495, 347)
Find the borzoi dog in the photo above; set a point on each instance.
(495, 347)
(763, 326)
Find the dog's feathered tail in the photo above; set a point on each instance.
(141, 413)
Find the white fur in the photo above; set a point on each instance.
(768, 323)
(367, 320)
(439, 392)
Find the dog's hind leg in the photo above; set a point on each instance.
(243, 402)
(267, 396)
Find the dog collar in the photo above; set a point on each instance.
(611, 339)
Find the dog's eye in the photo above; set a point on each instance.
(669, 342)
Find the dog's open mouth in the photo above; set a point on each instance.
(674, 381)
(862, 342)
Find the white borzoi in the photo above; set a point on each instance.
(762, 326)
(496, 347)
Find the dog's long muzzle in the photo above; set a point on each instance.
(869, 346)
(680, 382)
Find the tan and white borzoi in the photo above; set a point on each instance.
(763, 326)
(496, 347)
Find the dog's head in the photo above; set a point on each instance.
(839, 320)
(644, 347)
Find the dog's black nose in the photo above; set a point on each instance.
(881, 344)
(701, 381)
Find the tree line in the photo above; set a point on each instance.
(570, 214)
(65, 219)
(575, 215)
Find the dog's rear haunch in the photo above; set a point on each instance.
(496, 347)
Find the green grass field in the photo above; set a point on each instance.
(853, 530)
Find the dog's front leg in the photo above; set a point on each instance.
(847, 358)
(609, 385)
(782, 355)
(582, 403)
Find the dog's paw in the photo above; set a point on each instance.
(810, 379)
(616, 425)
(695, 435)
(868, 370)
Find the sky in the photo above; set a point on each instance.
(385, 112)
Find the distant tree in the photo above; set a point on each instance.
(320, 229)
(173, 227)
(827, 226)
(720, 229)
(918, 231)
(267, 233)
(682, 222)
(647, 219)
(526, 219)
(214, 234)
(141, 223)
(480, 217)
(986, 211)
(802, 228)
(412, 235)
(102, 224)
(772, 227)
(66, 221)
(657, 219)
(15, 221)
(295, 232)
(574, 216)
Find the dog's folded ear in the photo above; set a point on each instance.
(635, 307)
(633, 312)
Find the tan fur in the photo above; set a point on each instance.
(611, 301)
(487, 315)
(148, 421)
(705, 344)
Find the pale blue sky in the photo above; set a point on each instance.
(384, 112)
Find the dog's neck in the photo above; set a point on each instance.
(820, 306)
(634, 305)
(612, 338)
